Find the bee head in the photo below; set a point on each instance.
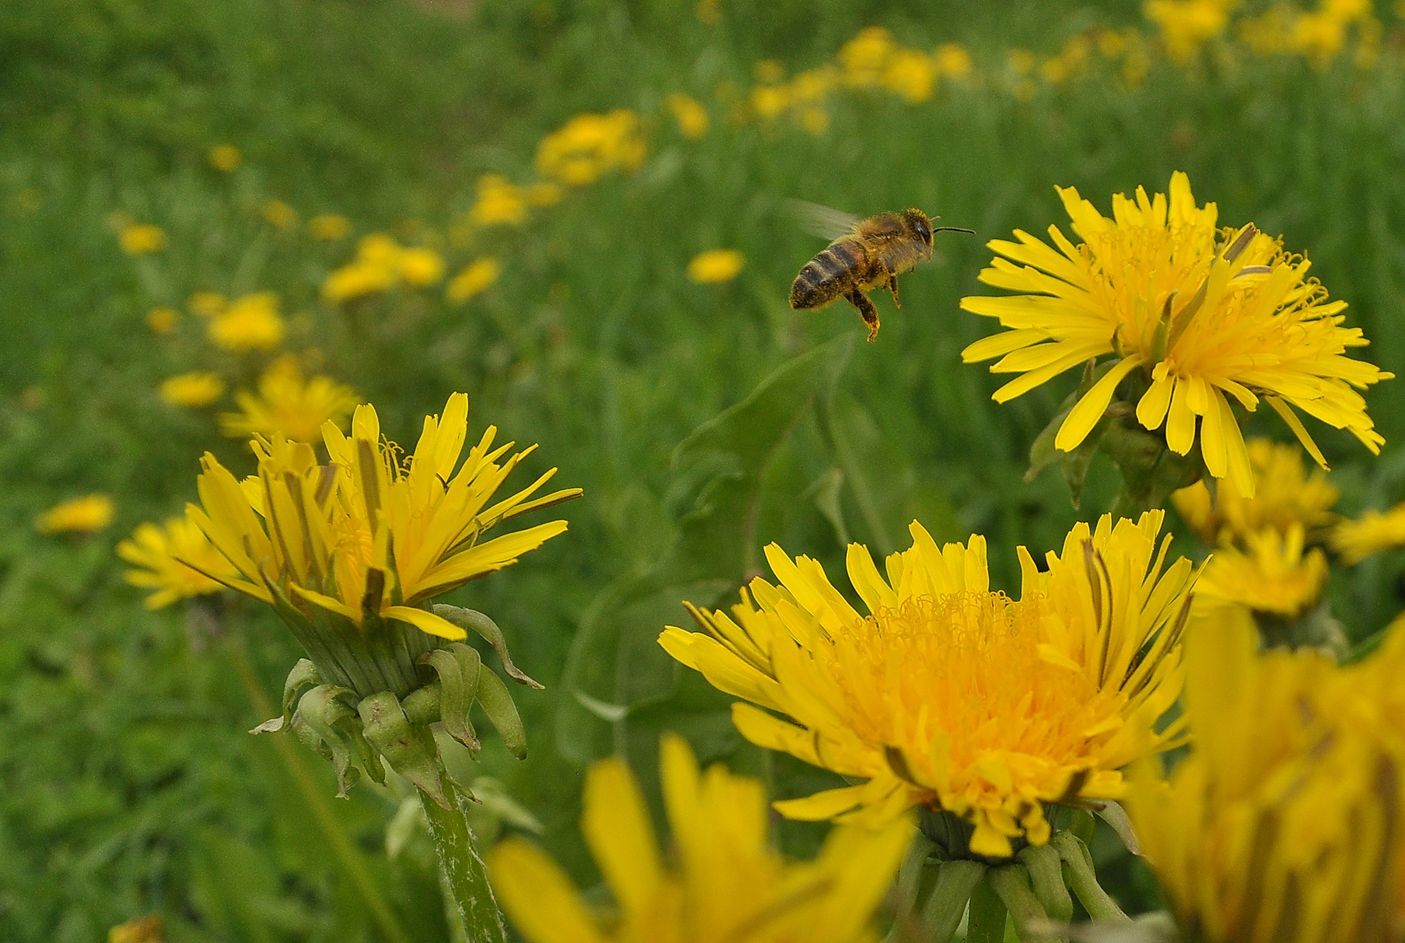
(920, 224)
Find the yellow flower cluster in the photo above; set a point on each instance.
(1283, 823)
(589, 146)
(380, 265)
(724, 882)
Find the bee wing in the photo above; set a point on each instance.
(823, 221)
(902, 254)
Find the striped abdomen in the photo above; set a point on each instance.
(840, 268)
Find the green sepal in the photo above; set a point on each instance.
(946, 904)
(1150, 470)
(1046, 877)
(458, 667)
(326, 722)
(303, 675)
(1011, 883)
(409, 749)
(488, 629)
(1082, 880)
(1073, 465)
(497, 703)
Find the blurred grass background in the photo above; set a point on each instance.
(702, 420)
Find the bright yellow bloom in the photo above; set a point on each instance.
(369, 536)
(477, 277)
(249, 322)
(1283, 824)
(715, 265)
(162, 320)
(329, 227)
(953, 61)
(690, 115)
(864, 58)
(1284, 497)
(770, 101)
(278, 214)
(421, 267)
(591, 145)
(192, 390)
(1187, 25)
(141, 239)
(724, 883)
(85, 515)
(207, 304)
(225, 158)
(289, 405)
(1193, 316)
(911, 74)
(1371, 533)
(1271, 575)
(499, 202)
(949, 695)
(165, 558)
(357, 280)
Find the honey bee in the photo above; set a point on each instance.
(870, 253)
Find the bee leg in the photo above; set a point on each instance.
(893, 288)
(866, 311)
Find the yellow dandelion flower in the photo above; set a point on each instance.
(1194, 317)
(85, 515)
(475, 278)
(289, 405)
(1187, 25)
(378, 248)
(688, 113)
(911, 74)
(946, 694)
(498, 202)
(864, 58)
(1284, 496)
(171, 559)
(207, 304)
(1318, 35)
(329, 227)
(141, 239)
(249, 322)
(708, 12)
(278, 214)
(770, 101)
(191, 390)
(768, 71)
(591, 145)
(1371, 533)
(356, 280)
(715, 265)
(343, 548)
(225, 158)
(724, 882)
(1271, 575)
(162, 320)
(954, 62)
(421, 267)
(1283, 824)
(150, 929)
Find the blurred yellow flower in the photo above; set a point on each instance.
(207, 304)
(1270, 575)
(724, 881)
(544, 193)
(1283, 823)
(1284, 497)
(1371, 533)
(141, 239)
(249, 322)
(953, 61)
(949, 695)
(591, 145)
(473, 280)
(171, 559)
(911, 74)
(356, 280)
(225, 158)
(85, 515)
(1187, 25)
(289, 405)
(814, 120)
(192, 390)
(708, 12)
(498, 202)
(715, 265)
(329, 227)
(770, 101)
(378, 248)
(150, 929)
(341, 546)
(162, 320)
(421, 267)
(864, 59)
(278, 214)
(1194, 315)
(688, 113)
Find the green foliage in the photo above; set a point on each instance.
(703, 421)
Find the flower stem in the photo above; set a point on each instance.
(463, 869)
(344, 852)
(986, 923)
(947, 903)
(1011, 883)
(1081, 879)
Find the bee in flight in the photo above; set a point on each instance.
(870, 253)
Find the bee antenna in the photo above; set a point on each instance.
(954, 229)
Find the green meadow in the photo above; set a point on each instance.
(704, 420)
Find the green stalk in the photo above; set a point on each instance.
(1011, 883)
(344, 853)
(956, 880)
(986, 923)
(465, 874)
(1081, 879)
